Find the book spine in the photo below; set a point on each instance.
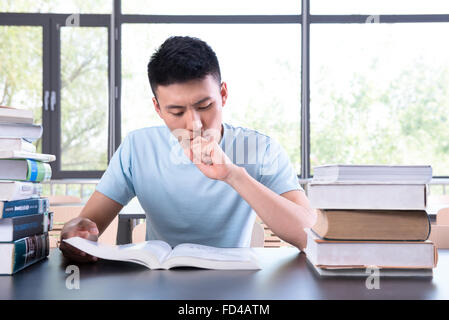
(24, 207)
(38, 171)
(26, 226)
(30, 250)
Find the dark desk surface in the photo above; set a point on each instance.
(285, 275)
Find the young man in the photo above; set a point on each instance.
(199, 180)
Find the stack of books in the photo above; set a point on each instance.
(370, 217)
(24, 215)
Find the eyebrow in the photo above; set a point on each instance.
(182, 107)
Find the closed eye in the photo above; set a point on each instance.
(206, 107)
(200, 109)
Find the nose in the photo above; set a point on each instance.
(194, 123)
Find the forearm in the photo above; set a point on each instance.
(285, 218)
(101, 210)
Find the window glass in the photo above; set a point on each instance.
(84, 98)
(56, 6)
(204, 7)
(21, 70)
(379, 7)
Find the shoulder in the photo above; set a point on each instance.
(251, 139)
(149, 138)
(241, 132)
(145, 135)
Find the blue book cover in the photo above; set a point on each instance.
(17, 208)
(15, 228)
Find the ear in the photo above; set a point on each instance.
(224, 93)
(157, 107)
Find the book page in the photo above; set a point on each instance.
(212, 253)
(143, 251)
(159, 249)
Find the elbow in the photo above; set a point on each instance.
(309, 217)
(300, 241)
(312, 217)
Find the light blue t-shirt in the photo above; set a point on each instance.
(181, 203)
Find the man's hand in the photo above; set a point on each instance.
(210, 159)
(78, 227)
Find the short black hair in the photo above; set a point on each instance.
(180, 59)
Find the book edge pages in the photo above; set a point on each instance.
(316, 240)
(100, 250)
(7, 265)
(203, 263)
(355, 272)
(17, 115)
(334, 196)
(6, 230)
(14, 154)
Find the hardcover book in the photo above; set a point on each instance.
(22, 253)
(13, 115)
(14, 154)
(29, 132)
(361, 254)
(156, 254)
(16, 144)
(366, 272)
(25, 207)
(24, 170)
(368, 196)
(413, 225)
(399, 174)
(12, 229)
(19, 190)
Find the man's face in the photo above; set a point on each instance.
(192, 108)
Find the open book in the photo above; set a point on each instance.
(156, 254)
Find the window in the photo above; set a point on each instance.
(84, 98)
(379, 94)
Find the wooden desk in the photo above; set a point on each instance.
(285, 275)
